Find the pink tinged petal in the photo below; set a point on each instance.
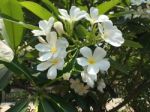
(93, 69)
(94, 13)
(99, 54)
(52, 73)
(43, 66)
(45, 56)
(82, 61)
(43, 25)
(38, 32)
(86, 52)
(104, 65)
(42, 47)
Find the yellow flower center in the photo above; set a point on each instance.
(91, 60)
(53, 49)
(55, 61)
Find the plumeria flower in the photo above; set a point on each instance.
(53, 47)
(111, 34)
(6, 53)
(101, 85)
(52, 65)
(78, 87)
(75, 14)
(88, 78)
(45, 27)
(94, 62)
(94, 16)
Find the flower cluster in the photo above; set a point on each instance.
(52, 46)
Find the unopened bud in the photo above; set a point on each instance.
(59, 27)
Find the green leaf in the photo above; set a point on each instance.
(44, 106)
(60, 105)
(5, 77)
(37, 9)
(51, 7)
(13, 33)
(20, 106)
(130, 43)
(122, 68)
(106, 6)
(18, 69)
(20, 23)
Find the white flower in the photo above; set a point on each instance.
(78, 87)
(1, 24)
(75, 14)
(53, 47)
(136, 2)
(101, 85)
(88, 78)
(52, 65)
(45, 27)
(111, 34)
(94, 16)
(59, 27)
(6, 53)
(94, 62)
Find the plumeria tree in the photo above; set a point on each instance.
(76, 55)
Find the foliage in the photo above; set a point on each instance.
(127, 78)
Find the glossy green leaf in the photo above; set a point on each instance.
(106, 6)
(60, 105)
(51, 7)
(132, 44)
(13, 33)
(37, 9)
(20, 106)
(44, 106)
(20, 23)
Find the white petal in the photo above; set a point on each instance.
(59, 27)
(53, 39)
(100, 27)
(38, 32)
(50, 23)
(73, 11)
(86, 52)
(41, 40)
(93, 69)
(46, 56)
(43, 66)
(82, 61)
(62, 42)
(42, 47)
(52, 73)
(103, 18)
(104, 65)
(60, 64)
(99, 53)
(6, 53)
(94, 13)
(43, 24)
(80, 15)
(64, 14)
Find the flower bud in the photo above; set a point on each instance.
(59, 27)
(6, 53)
